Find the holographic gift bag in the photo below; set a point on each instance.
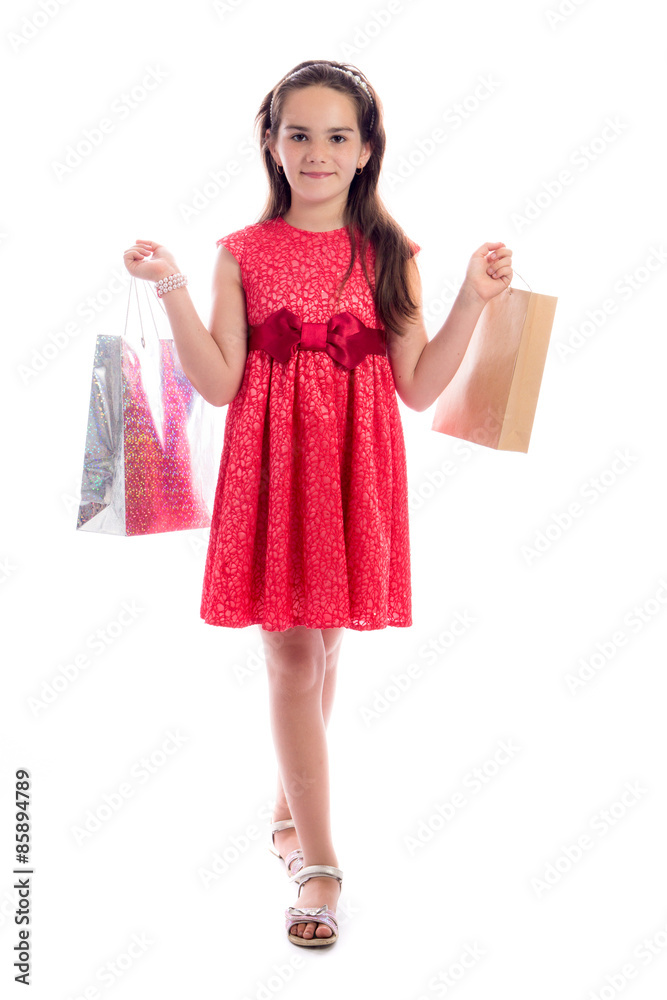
(149, 455)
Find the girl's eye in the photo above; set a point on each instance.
(302, 135)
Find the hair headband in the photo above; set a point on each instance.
(357, 79)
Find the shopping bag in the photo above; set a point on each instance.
(492, 398)
(149, 454)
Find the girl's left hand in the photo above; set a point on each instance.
(489, 271)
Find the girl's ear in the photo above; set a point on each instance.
(365, 154)
(270, 144)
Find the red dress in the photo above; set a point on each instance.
(310, 520)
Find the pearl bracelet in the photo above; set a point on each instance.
(171, 281)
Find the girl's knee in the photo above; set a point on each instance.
(332, 638)
(295, 657)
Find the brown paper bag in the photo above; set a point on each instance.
(493, 396)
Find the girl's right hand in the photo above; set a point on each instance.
(150, 261)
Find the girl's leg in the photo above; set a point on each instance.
(297, 668)
(287, 840)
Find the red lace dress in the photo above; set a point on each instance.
(310, 519)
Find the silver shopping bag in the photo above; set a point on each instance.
(149, 462)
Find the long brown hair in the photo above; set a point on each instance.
(364, 209)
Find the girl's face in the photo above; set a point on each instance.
(319, 144)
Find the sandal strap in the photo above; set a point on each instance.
(311, 915)
(282, 824)
(293, 856)
(285, 824)
(315, 871)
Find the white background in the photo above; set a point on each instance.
(494, 879)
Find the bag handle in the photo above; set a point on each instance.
(133, 285)
(509, 287)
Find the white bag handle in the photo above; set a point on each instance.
(509, 287)
(133, 285)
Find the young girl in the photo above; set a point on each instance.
(316, 325)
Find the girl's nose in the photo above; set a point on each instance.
(317, 153)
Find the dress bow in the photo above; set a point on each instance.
(344, 337)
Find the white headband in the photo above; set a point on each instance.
(357, 79)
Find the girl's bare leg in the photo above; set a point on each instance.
(333, 638)
(301, 668)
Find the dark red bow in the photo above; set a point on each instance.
(344, 337)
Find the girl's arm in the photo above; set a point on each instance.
(423, 368)
(214, 361)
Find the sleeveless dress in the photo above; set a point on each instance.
(310, 519)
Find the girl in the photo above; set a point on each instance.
(316, 325)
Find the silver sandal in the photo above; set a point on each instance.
(294, 860)
(313, 914)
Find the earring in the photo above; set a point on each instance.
(359, 170)
(279, 168)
